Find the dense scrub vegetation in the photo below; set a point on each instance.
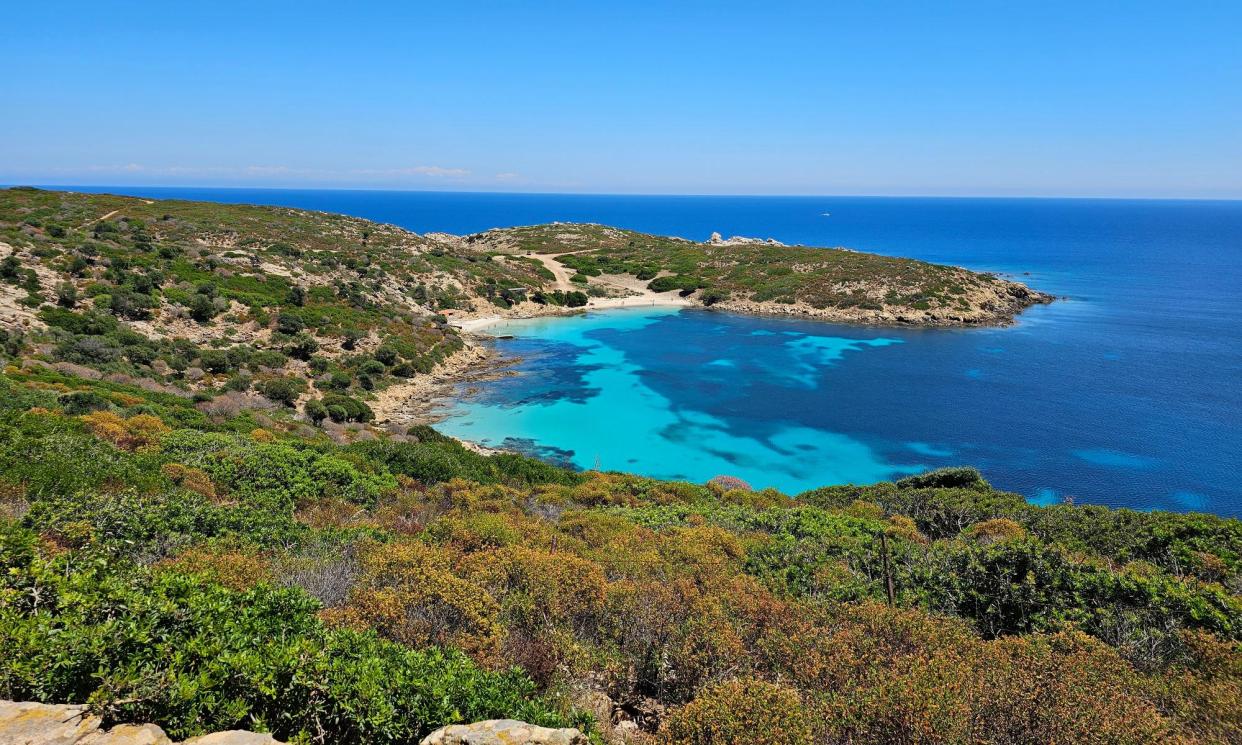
(209, 571)
(247, 307)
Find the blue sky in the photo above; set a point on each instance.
(1043, 98)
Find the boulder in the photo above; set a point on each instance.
(28, 723)
(504, 732)
(130, 734)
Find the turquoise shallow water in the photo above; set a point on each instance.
(613, 420)
(1128, 393)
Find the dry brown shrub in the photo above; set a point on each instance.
(722, 484)
(901, 526)
(541, 589)
(13, 503)
(331, 513)
(135, 433)
(407, 592)
(237, 570)
(230, 404)
(740, 712)
(190, 478)
(125, 399)
(326, 571)
(994, 530)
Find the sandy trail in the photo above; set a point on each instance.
(558, 270)
(89, 223)
(109, 216)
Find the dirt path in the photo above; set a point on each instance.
(558, 270)
(108, 216)
(89, 223)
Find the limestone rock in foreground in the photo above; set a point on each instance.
(233, 737)
(29, 723)
(504, 732)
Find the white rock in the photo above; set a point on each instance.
(28, 723)
(129, 734)
(504, 732)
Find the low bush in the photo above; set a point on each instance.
(195, 657)
(740, 712)
(283, 390)
(346, 409)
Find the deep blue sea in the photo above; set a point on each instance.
(1127, 393)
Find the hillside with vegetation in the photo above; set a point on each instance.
(209, 571)
(203, 526)
(752, 276)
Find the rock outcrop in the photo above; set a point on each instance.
(503, 732)
(29, 723)
(741, 240)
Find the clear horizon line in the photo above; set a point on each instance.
(911, 195)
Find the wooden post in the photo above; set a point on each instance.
(888, 570)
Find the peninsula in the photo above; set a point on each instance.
(201, 295)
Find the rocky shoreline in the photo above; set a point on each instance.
(414, 402)
(1001, 310)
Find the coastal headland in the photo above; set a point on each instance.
(328, 313)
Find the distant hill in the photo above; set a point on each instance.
(753, 276)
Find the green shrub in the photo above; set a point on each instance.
(196, 658)
(216, 361)
(91, 323)
(289, 324)
(386, 355)
(373, 368)
(675, 282)
(276, 475)
(66, 295)
(202, 309)
(83, 402)
(283, 390)
(316, 411)
(54, 456)
(354, 410)
(302, 347)
(437, 458)
(267, 358)
(945, 478)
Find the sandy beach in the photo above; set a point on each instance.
(632, 293)
(654, 300)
